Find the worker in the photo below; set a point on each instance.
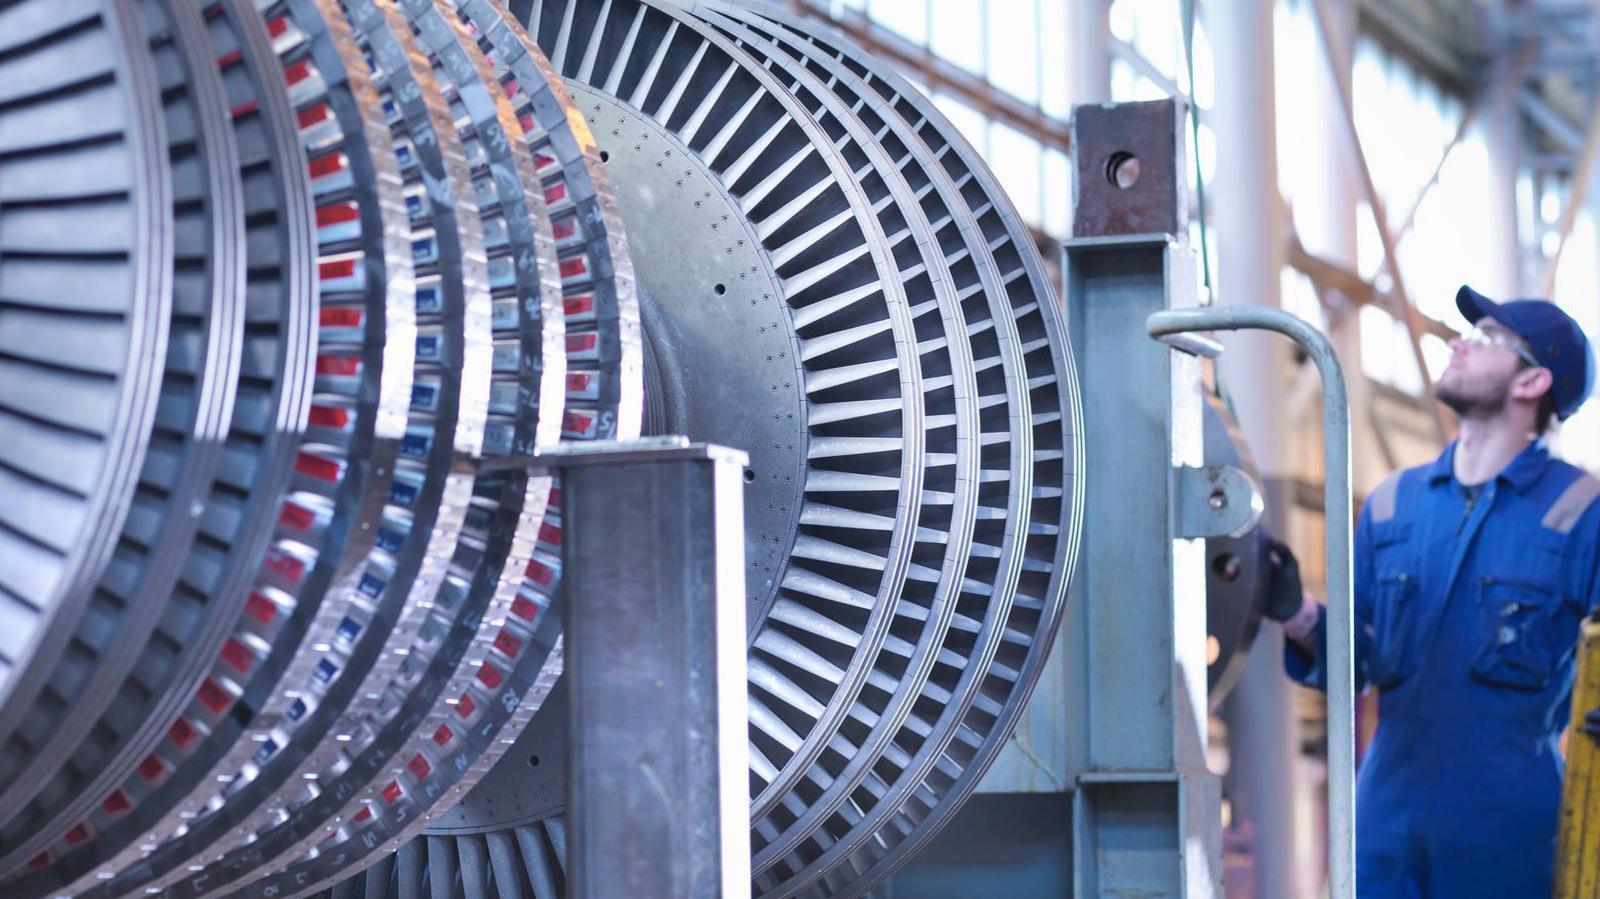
(1472, 573)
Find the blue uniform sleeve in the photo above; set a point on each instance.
(1311, 669)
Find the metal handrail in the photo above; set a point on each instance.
(1174, 326)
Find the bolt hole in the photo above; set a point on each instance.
(1227, 566)
(720, 289)
(1122, 170)
(533, 761)
(605, 156)
(749, 476)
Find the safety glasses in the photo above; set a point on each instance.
(1497, 336)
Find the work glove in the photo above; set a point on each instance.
(1284, 593)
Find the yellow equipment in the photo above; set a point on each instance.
(1578, 843)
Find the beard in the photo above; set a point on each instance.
(1474, 398)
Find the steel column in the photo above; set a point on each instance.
(1502, 135)
(1146, 817)
(1248, 218)
(1033, 760)
(1091, 59)
(1249, 228)
(1335, 195)
(657, 763)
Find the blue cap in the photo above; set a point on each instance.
(1553, 337)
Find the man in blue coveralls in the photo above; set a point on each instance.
(1471, 576)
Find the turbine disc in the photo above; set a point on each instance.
(832, 268)
(151, 718)
(926, 729)
(290, 606)
(1057, 430)
(340, 483)
(144, 586)
(87, 239)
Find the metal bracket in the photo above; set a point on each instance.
(1129, 171)
(1214, 501)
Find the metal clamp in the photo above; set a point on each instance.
(1336, 487)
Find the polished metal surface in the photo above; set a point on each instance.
(330, 539)
(703, 275)
(291, 606)
(618, 118)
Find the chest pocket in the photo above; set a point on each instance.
(1519, 644)
(1526, 628)
(1392, 655)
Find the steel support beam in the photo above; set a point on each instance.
(1146, 816)
(1444, 52)
(1130, 54)
(1249, 219)
(657, 760)
(1555, 125)
(1503, 141)
(1335, 198)
(1034, 757)
(1330, 275)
